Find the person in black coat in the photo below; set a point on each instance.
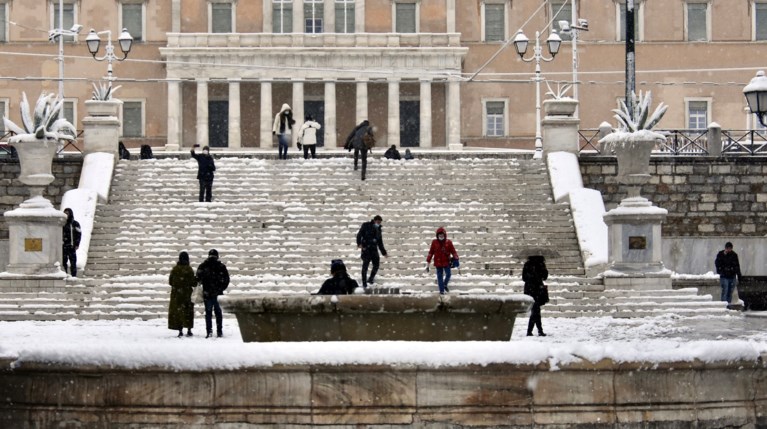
(340, 283)
(70, 236)
(205, 169)
(392, 153)
(215, 279)
(362, 140)
(533, 274)
(728, 268)
(370, 241)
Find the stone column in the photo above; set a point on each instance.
(560, 126)
(235, 131)
(173, 142)
(362, 101)
(101, 128)
(175, 13)
(202, 112)
(425, 117)
(450, 15)
(298, 16)
(454, 114)
(393, 113)
(298, 107)
(330, 114)
(267, 119)
(714, 138)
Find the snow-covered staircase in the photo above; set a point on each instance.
(277, 225)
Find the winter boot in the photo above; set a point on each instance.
(180, 333)
(209, 334)
(189, 333)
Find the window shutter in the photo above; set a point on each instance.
(221, 17)
(131, 119)
(69, 112)
(761, 21)
(696, 21)
(69, 18)
(565, 14)
(3, 9)
(405, 17)
(494, 22)
(131, 14)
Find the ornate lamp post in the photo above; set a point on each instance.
(520, 44)
(756, 96)
(94, 41)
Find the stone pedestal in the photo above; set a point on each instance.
(559, 127)
(634, 246)
(102, 127)
(35, 239)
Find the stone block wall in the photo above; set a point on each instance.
(12, 192)
(704, 196)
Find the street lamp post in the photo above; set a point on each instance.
(520, 44)
(57, 34)
(94, 41)
(756, 96)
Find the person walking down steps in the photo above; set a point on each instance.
(205, 168)
(370, 241)
(283, 124)
(215, 279)
(181, 309)
(534, 272)
(70, 236)
(445, 257)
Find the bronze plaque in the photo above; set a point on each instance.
(33, 244)
(638, 242)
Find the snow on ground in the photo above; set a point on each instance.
(135, 344)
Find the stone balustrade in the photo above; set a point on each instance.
(324, 40)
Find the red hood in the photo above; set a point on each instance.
(441, 230)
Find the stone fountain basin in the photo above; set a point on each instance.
(422, 317)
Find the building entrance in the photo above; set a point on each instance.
(218, 123)
(316, 108)
(409, 123)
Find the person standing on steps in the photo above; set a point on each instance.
(445, 257)
(205, 168)
(283, 124)
(215, 279)
(181, 309)
(70, 236)
(728, 268)
(370, 241)
(534, 273)
(340, 283)
(307, 136)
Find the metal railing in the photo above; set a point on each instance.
(691, 142)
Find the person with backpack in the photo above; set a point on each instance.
(340, 283)
(307, 136)
(362, 140)
(70, 236)
(181, 308)
(283, 124)
(215, 279)
(370, 241)
(534, 272)
(205, 168)
(445, 257)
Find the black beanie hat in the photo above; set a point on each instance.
(337, 265)
(213, 253)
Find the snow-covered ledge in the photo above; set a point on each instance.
(587, 208)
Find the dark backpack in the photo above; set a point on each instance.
(146, 152)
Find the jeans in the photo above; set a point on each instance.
(728, 286)
(212, 304)
(70, 258)
(310, 148)
(442, 282)
(283, 141)
(367, 258)
(206, 190)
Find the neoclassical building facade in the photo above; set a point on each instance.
(426, 73)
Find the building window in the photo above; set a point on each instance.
(495, 118)
(3, 113)
(132, 16)
(760, 21)
(561, 10)
(313, 15)
(344, 16)
(133, 119)
(221, 17)
(3, 19)
(494, 18)
(621, 16)
(282, 16)
(697, 21)
(697, 114)
(68, 13)
(405, 17)
(70, 112)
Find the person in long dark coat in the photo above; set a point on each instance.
(370, 241)
(215, 279)
(362, 140)
(70, 235)
(533, 274)
(205, 168)
(181, 308)
(340, 283)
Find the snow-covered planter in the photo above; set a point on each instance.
(560, 107)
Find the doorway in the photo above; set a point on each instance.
(218, 123)
(316, 109)
(409, 123)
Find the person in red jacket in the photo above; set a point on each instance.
(445, 257)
